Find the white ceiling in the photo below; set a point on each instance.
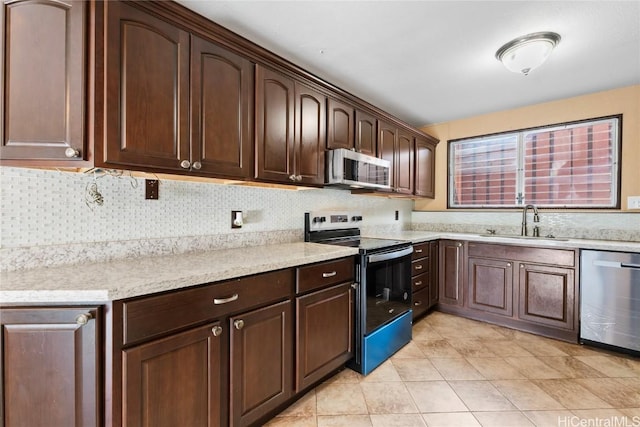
(433, 61)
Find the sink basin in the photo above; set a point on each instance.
(514, 236)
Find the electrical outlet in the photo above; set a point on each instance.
(236, 219)
(152, 189)
(633, 202)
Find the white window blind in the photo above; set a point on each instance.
(570, 165)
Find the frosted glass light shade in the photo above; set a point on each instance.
(525, 53)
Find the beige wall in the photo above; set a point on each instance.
(625, 101)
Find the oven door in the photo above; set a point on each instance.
(388, 286)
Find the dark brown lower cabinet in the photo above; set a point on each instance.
(261, 374)
(175, 380)
(491, 285)
(528, 288)
(324, 335)
(51, 367)
(547, 295)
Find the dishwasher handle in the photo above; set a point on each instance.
(616, 264)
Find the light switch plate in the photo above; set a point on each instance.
(633, 202)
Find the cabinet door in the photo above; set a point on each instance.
(425, 168)
(275, 100)
(404, 162)
(51, 367)
(261, 362)
(147, 78)
(324, 333)
(340, 125)
(547, 295)
(366, 133)
(387, 146)
(43, 79)
(221, 111)
(490, 285)
(451, 272)
(175, 380)
(310, 135)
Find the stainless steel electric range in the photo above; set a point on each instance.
(383, 293)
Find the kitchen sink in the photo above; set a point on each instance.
(514, 236)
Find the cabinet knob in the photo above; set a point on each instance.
(83, 319)
(185, 164)
(521, 265)
(238, 324)
(197, 165)
(298, 178)
(216, 331)
(292, 177)
(71, 153)
(508, 264)
(354, 286)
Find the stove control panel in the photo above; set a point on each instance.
(327, 220)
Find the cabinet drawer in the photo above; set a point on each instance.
(559, 257)
(420, 302)
(151, 316)
(419, 282)
(420, 266)
(323, 274)
(420, 250)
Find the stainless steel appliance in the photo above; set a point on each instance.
(383, 293)
(610, 299)
(355, 170)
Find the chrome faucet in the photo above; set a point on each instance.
(536, 218)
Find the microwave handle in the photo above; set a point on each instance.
(389, 255)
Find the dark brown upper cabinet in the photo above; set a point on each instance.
(396, 145)
(147, 92)
(221, 111)
(43, 82)
(291, 130)
(340, 125)
(366, 133)
(425, 169)
(154, 70)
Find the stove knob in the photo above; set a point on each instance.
(316, 219)
(323, 219)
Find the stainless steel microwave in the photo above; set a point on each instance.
(348, 168)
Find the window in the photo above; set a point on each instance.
(573, 165)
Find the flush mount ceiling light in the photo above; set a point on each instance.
(525, 53)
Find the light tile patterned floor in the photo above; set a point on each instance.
(459, 372)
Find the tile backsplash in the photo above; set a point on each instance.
(51, 212)
(576, 225)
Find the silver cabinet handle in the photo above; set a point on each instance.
(238, 324)
(333, 273)
(83, 319)
(185, 164)
(354, 286)
(419, 283)
(197, 165)
(218, 301)
(418, 251)
(71, 152)
(418, 267)
(216, 331)
(417, 303)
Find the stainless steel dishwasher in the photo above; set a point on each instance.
(610, 298)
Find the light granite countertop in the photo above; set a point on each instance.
(100, 282)
(424, 236)
(108, 281)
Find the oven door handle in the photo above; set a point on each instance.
(389, 255)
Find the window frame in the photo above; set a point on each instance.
(520, 182)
